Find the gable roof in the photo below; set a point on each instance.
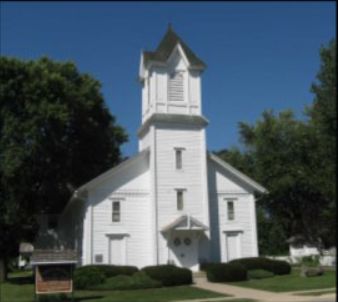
(167, 45)
(247, 180)
(54, 257)
(185, 222)
(102, 177)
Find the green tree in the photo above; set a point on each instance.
(56, 134)
(323, 123)
(296, 161)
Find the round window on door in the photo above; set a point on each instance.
(187, 241)
(177, 241)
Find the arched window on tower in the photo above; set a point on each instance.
(175, 87)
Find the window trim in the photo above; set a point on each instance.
(178, 192)
(230, 210)
(114, 211)
(178, 150)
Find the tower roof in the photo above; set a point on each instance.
(167, 45)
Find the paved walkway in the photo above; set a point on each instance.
(255, 294)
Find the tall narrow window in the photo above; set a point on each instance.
(179, 197)
(175, 87)
(116, 211)
(231, 210)
(178, 155)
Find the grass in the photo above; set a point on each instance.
(238, 300)
(292, 282)
(324, 292)
(20, 288)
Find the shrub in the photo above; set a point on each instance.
(254, 263)
(169, 275)
(115, 270)
(259, 274)
(139, 280)
(88, 276)
(277, 267)
(204, 266)
(226, 272)
(314, 273)
(310, 261)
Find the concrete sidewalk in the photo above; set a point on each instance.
(255, 294)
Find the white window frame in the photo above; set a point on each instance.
(180, 192)
(231, 211)
(179, 159)
(118, 211)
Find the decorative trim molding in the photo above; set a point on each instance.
(195, 120)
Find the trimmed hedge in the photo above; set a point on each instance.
(169, 275)
(259, 274)
(88, 276)
(280, 267)
(204, 266)
(92, 275)
(226, 272)
(277, 267)
(139, 280)
(114, 270)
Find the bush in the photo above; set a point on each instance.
(88, 276)
(115, 270)
(259, 274)
(169, 275)
(314, 273)
(139, 280)
(310, 261)
(254, 263)
(204, 266)
(277, 267)
(226, 272)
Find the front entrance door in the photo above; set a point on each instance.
(233, 245)
(184, 249)
(117, 250)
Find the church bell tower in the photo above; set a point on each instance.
(173, 129)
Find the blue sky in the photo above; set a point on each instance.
(260, 55)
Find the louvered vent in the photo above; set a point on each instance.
(176, 92)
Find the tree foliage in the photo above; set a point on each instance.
(296, 161)
(56, 134)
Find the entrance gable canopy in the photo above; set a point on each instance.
(185, 223)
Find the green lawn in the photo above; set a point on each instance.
(292, 282)
(21, 289)
(238, 300)
(324, 292)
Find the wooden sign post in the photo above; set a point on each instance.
(53, 272)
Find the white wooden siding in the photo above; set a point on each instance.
(130, 186)
(161, 94)
(223, 186)
(190, 177)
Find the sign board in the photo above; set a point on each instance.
(53, 278)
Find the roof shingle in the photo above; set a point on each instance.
(53, 256)
(167, 45)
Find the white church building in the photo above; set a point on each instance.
(173, 202)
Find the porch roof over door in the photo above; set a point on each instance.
(185, 223)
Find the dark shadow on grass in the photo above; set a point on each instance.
(87, 298)
(21, 280)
